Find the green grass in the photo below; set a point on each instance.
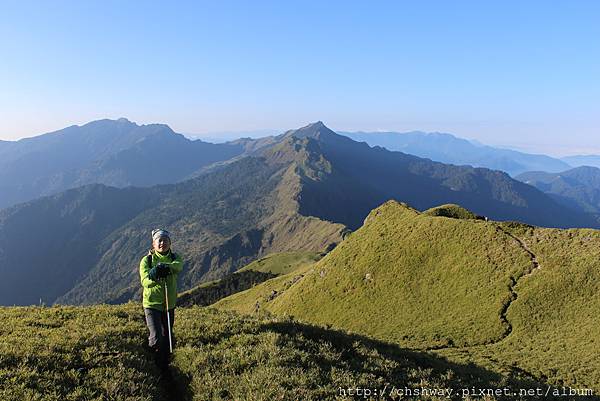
(451, 210)
(276, 263)
(457, 287)
(417, 280)
(262, 294)
(283, 263)
(75, 353)
(556, 316)
(96, 353)
(254, 273)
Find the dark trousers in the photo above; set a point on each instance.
(158, 338)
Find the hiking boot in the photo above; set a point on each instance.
(157, 355)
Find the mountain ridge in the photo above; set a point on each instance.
(112, 152)
(303, 191)
(447, 148)
(577, 188)
(424, 184)
(582, 160)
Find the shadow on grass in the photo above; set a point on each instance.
(354, 353)
(129, 350)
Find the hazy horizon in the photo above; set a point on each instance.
(224, 136)
(514, 75)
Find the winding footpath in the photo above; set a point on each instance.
(535, 265)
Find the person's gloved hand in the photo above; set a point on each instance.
(153, 273)
(163, 270)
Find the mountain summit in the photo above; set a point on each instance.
(111, 152)
(342, 180)
(316, 130)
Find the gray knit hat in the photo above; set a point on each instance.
(159, 232)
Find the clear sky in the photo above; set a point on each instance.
(522, 73)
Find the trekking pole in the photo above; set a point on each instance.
(168, 317)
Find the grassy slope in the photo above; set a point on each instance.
(258, 271)
(96, 353)
(451, 210)
(416, 279)
(282, 263)
(246, 301)
(556, 316)
(277, 263)
(69, 353)
(432, 282)
(288, 265)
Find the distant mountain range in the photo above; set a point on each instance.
(120, 153)
(112, 152)
(577, 188)
(578, 161)
(447, 148)
(226, 136)
(301, 190)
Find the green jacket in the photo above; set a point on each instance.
(154, 291)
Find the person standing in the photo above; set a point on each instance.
(158, 275)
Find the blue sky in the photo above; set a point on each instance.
(524, 74)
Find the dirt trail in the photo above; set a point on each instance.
(535, 265)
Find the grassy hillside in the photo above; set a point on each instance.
(248, 276)
(256, 298)
(515, 298)
(97, 353)
(415, 277)
(555, 317)
(453, 211)
(207, 294)
(282, 263)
